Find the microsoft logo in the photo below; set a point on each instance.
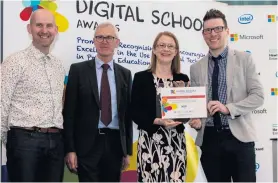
(234, 37)
(274, 91)
(271, 18)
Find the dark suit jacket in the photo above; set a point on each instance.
(143, 101)
(82, 107)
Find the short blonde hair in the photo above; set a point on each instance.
(175, 67)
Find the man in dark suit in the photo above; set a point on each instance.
(97, 123)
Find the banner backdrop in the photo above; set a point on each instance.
(254, 29)
(138, 24)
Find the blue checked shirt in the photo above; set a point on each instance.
(222, 86)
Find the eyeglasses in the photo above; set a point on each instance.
(163, 46)
(216, 30)
(109, 39)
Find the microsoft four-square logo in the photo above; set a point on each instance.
(234, 37)
(274, 91)
(271, 18)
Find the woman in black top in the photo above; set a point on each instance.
(161, 144)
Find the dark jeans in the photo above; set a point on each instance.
(225, 158)
(35, 156)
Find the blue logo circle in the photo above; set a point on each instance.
(257, 166)
(245, 19)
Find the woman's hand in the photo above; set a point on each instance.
(167, 123)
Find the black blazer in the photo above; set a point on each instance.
(143, 101)
(82, 107)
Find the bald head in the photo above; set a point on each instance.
(43, 29)
(42, 13)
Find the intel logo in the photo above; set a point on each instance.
(245, 19)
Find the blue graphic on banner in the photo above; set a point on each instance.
(245, 19)
(257, 166)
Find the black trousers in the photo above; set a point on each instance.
(225, 158)
(104, 161)
(35, 156)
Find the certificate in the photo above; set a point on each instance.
(183, 102)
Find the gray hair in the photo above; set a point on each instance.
(107, 24)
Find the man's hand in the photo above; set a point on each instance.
(195, 123)
(216, 106)
(126, 162)
(180, 84)
(71, 162)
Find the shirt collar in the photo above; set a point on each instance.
(99, 63)
(38, 54)
(223, 54)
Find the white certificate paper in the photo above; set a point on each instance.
(183, 102)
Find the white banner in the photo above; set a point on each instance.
(138, 24)
(255, 28)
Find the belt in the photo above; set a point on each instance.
(223, 129)
(103, 131)
(37, 129)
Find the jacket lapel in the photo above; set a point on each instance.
(230, 71)
(204, 74)
(93, 80)
(204, 71)
(152, 85)
(118, 79)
